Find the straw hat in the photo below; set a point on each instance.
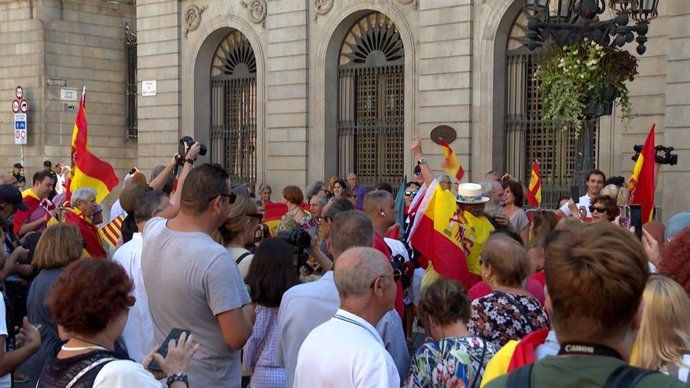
(470, 193)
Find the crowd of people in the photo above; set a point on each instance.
(201, 290)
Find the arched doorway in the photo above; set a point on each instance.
(233, 108)
(370, 126)
(528, 137)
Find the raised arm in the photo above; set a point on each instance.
(424, 166)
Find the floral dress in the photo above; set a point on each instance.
(501, 317)
(449, 363)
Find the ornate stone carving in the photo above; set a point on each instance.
(257, 10)
(322, 7)
(192, 18)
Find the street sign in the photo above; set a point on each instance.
(15, 106)
(19, 92)
(24, 105)
(68, 94)
(20, 128)
(148, 88)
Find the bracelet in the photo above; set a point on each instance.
(190, 161)
(181, 376)
(421, 161)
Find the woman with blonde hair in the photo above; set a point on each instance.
(663, 341)
(59, 245)
(239, 229)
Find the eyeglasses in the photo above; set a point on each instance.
(410, 193)
(396, 276)
(596, 209)
(231, 197)
(257, 216)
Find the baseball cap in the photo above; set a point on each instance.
(10, 194)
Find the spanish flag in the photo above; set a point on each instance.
(438, 233)
(534, 189)
(450, 161)
(641, 182)
(87, 170)
(273, 212)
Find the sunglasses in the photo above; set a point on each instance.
(231, 197)
(593, 209)
(397, 274)
(410, 193)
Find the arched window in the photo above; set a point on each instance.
(233, 108)
(528, 137)
(371, 101)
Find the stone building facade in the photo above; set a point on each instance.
(293, 91)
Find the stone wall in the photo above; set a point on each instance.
(49, 45)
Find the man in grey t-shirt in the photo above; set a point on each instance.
(193, 283)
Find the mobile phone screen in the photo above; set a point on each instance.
(636, 219)
(163, 351)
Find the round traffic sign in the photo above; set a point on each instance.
(15, 106)
(19, 91)
(24, 105)
(17, 134)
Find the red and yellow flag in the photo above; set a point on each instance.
(641, 182)
(438, 234)
(112, 231)
(534, 189)
(87, 170)
(273, 212)
(450, 161)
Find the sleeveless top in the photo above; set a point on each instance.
(58, 373)
(287, 222)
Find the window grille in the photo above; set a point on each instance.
(233, 108)
(528, 137)
(371, 84)
(131, 83)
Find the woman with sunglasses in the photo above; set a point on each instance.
(90, 303)
(410, 191)
(603, 209)
(455, 357)
(239, 230)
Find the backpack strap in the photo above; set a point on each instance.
(242, 256)
(86, 370)
(626, 376)
(521, 377)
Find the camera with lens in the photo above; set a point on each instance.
(300, 240)
(663, 154)
(185, 143)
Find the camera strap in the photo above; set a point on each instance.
(587, 349)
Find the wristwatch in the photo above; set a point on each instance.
(421, 161)
(180, 376)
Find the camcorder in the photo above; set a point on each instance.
(299, 240)
(185, 143)
(663, 155)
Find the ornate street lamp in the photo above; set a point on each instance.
(568, 22)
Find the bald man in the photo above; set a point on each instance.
(355, 355)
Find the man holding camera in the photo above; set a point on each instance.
(193, 283)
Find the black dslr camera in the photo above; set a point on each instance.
(185, 143)
(300, 240)
(663, 155)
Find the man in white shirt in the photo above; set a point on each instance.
(138, 332)
(347, 351)
(595, 182)
(308, 305)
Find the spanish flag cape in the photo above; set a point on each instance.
(32, 202)
(451, 242)
(93, 246)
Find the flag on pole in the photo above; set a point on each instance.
(87, 170)
(641, 182)
(437, 234)
(450, 161)
(534, 189)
